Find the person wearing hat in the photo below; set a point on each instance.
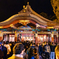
(18, 52)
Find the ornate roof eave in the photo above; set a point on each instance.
(33, 12)
(29, 13)
(56, 26)
(49, 22)
(22, 16)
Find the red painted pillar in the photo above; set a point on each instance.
(1, 36)
(22, 39)
(43, 38)
(15, 36)
(52, 37)
(57, 38)
(36, 39)
(15, 39)
(47, 37)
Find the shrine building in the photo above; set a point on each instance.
(28, 25)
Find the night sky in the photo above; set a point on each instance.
(11, 7)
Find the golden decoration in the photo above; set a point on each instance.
(24, 22)
(50, 27)
(24, 6)
(0, 31)
(11, 25)
(1, 26)
(27, 3)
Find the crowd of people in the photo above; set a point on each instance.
(27, 50)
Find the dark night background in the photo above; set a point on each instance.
(11, 7)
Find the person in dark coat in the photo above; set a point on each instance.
(52, 54)
(4, 50)
(1, 54)
(40, 49)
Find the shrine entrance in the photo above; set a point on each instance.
(26, 37)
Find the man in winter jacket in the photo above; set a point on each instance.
(18, 51)
(47, 51)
